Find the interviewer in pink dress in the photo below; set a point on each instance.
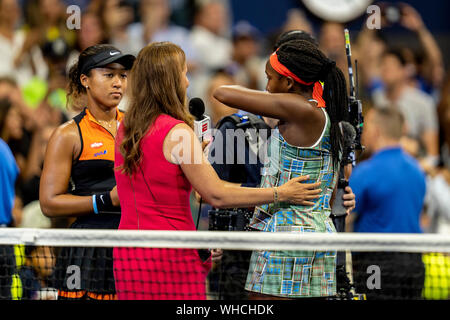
(158, 160)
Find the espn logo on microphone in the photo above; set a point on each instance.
(202, 128)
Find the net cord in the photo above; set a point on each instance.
(226, 240)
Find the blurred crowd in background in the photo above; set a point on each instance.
(37, 50)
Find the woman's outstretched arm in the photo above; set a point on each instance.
(53, 196)
(182, 147)
(289, 107)
(53, 192)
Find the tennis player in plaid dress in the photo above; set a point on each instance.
(306, 141)
(295, 273)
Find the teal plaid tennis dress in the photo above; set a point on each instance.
(295, 274)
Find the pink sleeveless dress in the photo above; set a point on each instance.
(156, 197)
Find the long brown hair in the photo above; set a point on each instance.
(156, 89)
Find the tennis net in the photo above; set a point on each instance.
(61, 264)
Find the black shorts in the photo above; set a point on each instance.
(82, 270)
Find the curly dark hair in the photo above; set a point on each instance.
(294, 35)
(75, 89)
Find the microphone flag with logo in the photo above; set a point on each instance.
(202, 122)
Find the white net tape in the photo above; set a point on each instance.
(226, 240)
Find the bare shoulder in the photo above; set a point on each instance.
(180, 130)
(67, 132)
(302, 106)
(296, 99)
(182, 125)
(66, 138)
(175, 139)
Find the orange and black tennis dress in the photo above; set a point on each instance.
(87, 273)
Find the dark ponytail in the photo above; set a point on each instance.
(307, 62)
(75, 89)
(336, 99)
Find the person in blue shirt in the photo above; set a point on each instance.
(8, 175)
(390, 188)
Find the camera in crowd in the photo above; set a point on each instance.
(230, 220)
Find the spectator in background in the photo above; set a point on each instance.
(368, 49)
(438, 201)
(11, 131)
(246, 66)
(92, 31)
(214, 108)
(297, 20)
(9, 89)
(53, 102)
(17, 62)
(9, 172)
(444, 119)
(403, 186)
(390, 190)
(15, 117)
(35, 272)
(155, 26)
(209, 38)
(332, 43)
(29, 186)
(26, 132)
(426, 68)
(116, 16)
(430, 71)
(417, 107)
(438, 180)
(209, 34)
(8, 175)
(46, 22)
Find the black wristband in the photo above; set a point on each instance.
(103, 203)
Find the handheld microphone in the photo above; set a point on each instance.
(202, 123)
(349, 135)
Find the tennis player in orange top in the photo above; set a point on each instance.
(78, 176)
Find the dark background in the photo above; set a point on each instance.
(268, 16)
